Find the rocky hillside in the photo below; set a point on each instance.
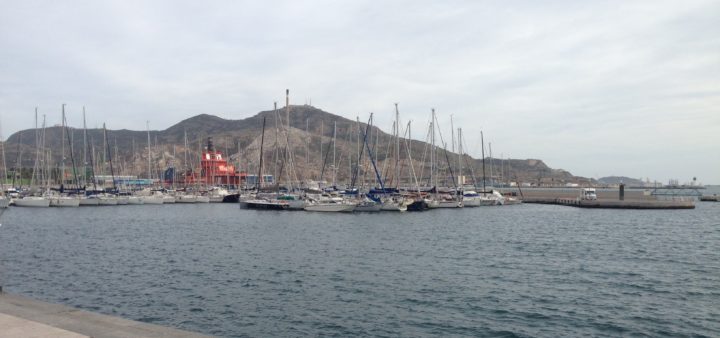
(310, 142)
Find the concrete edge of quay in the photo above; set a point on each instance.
(34, 318)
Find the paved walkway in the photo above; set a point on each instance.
(25, 317)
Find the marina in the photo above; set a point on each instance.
(441, 169)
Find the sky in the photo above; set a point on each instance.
(598, 88)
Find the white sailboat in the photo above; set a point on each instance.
(329, 206)
(135, 200)
(32, 201)
(106, 199)
(158, 198)
(185, 198)
(64, 201)
(91, 200)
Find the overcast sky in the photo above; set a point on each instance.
(598, 88)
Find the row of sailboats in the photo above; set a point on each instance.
(40, 193)
(360, 197)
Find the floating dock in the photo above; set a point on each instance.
(25, 317)
(615, 204)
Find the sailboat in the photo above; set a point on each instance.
(446, 199)
(325, 203)
(148, 195)
(87, 200)
(395, 201)
(63, 200)
(255, 201)
(28, 200)
(4, 199)
(105, 199)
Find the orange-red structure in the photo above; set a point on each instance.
(214, 169)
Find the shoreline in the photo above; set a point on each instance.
(21, 316)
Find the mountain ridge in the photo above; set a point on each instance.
(240, 138)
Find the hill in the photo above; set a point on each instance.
(310, 140)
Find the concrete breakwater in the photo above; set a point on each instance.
(616, 204)
(609, 199)
(25, 317)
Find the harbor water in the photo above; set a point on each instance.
(522, 270)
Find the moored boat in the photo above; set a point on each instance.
(91, 200)
(106, 199)
(64, 201)
(32, 201)
(367, 206)
(264, 204)
(155, 199)
(168, 199)
(329, 207)
(122, 200)
(135, 200)
(185, 198)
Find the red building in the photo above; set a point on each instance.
(214, 170)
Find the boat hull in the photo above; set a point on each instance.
(368, 207)
(135, 200)
(417, 206)
(153, 200)
(232, 198)
(65, 202)
(216, 199)
(445, 204)
(107, 201)
(33, 202)
(185, 199)
(88, 202)
(330, 207)
(263, 205)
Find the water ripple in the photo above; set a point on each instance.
(521, 271)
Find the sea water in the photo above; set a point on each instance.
(522, 270)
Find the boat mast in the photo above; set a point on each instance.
(460, 157)
(62, 154)
(4, 163)
(147, 124)
(334, 163)
(322, 125)
(84, 149)
(109, 158)
(408, 141)
(452, 133)
(48, 159)
(72, 157)
(492, 181)
(397, 147)
(185, 163)
(482, 146)
(262, 141)
(18, 159)
(37, 153)
(433, 177)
